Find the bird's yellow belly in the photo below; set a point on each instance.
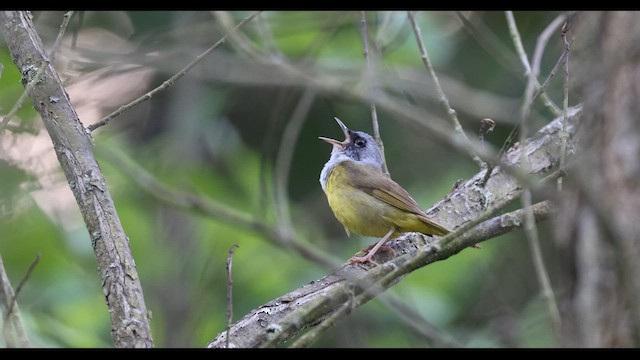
(358, 211)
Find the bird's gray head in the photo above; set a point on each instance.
(357, 146)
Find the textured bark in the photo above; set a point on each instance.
(466, 202)
(72, 144)
(600, 222)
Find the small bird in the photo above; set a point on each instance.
(365, 199)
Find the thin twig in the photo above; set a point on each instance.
(564, 135)
(543, 40)
(369, 77)
(486, 126)
(541, 45)
(168, 83)
(63, 28)
(531, 232)
(517, 41)
(382, 33)
(553, 72)
(238, 40)
(542, 88)
(74, 39)
(530, 228)
(492, 44)
(285, 155)
(230, 290)
(13, 329)
(23, 96)
(264, 31)
(436, 337)
(23, 281)
(18, 105)
(443, 97)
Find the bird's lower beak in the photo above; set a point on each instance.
(334, 142)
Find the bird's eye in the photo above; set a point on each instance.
(360, 142)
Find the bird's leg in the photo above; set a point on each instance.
(366, 258)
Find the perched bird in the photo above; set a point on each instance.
(365, 199)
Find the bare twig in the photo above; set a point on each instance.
(541, 44)
(541, 271)
(488, 40)
(63, 28)
(267, 36)
(443, 97)
(423, 328)
(230, 290)
(486, 126)
(74, 39)
(382, 33)
(369, 78)
(543, 40)
(517, 41)
(36, 78)
(23, 281)
(239, 40)
(169, 82)
(492, 44)
(13, 329)
(23, 97)
(552, 73)
(285, 156)
(565, 100)
(530, 229)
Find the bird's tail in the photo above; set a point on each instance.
(436, 229)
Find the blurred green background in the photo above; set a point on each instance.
(221, 132)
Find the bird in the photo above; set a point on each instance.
(365, 199)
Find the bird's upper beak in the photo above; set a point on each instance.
(336, 143)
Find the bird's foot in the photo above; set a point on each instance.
(370, 253)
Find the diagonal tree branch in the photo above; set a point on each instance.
(282, 318)
(73, 147)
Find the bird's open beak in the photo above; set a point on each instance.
(334, 142)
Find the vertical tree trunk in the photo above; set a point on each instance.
(599, 219)
(120, 283)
